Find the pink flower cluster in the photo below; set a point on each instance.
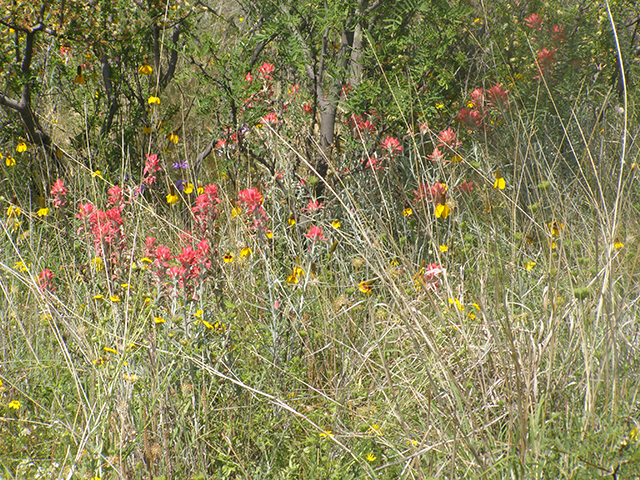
(270, 118)
(315, 234)
(534, 22)
(447, 139)
(479, 107)
(265, 70)
(205, 212)
(392, 146)
(105, 227)
(436, 193)
(251, 199)
(150, 168)
(58, 191)
(45, 280)
(313, 206)
(361, 125)
(465, 187)
(182, 270)
(431, 276)
(373, 163)
(545, 58)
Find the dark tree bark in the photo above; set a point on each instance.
(22, 106)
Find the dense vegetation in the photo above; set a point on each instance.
(346, 239)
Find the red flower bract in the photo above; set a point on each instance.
(465, 187)
(265, 70)
(59, 191)
(447, 138)
(545, 59)
(45, 280)
(315, 234)
(150, 167)
(205, 212)
(534, 21)
(116, 196)
(498, 96)
(270, 118)
(436, 155)
(435, 193)
(251, 198)
(392, 145)
(431, 276)
(313, 206)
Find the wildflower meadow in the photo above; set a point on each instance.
(324, 240)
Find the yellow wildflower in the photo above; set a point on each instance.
(555, 228)
(21, 266)
(442, 211)
(97, 263)
(13, 211)
(207, 324)
(145, 69)
(456, 302)
(364, 287)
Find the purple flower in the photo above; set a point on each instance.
(180, 184)
(178, 165)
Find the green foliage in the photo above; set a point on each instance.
(418, 258)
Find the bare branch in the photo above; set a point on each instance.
(9, 102)
(173, 59)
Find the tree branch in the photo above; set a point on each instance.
(173, 59)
